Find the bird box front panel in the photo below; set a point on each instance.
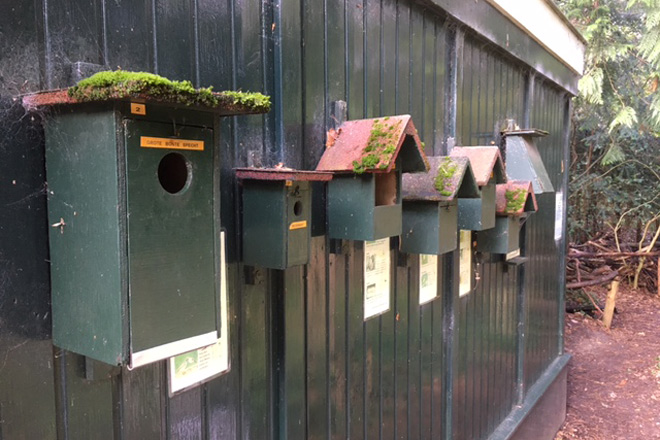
(171, 238)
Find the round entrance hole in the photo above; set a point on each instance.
(173, 172)
(297, 208)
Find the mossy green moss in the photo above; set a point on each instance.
(381, 145)
(122, 84)
(444, 178)
(515, 199)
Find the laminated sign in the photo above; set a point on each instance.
(376, 277)
(428, 278)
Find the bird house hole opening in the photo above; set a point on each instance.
(174, 172)
(386, 188)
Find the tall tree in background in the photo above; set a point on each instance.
(615, 165)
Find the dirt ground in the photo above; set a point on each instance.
(614, 376)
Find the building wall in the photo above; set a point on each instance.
(304, 364)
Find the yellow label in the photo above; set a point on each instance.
(138, 109)
(288, 183)
(298, 225)
(172, 144)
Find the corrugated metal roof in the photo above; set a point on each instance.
(448, 178)
(372, 145)
(515, 198)
(486, 162)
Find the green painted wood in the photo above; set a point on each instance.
(255, 360)
(438, 358)
(141, 404)
(356, 341)
(338, 321)
(85, 408)
(317, 335)
(401, 346)
(88, 299)
(131, 30)
(183, 415)
(170, 240)
(429, 227)
(175, 52)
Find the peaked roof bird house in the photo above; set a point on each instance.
(523, 160)
(488, 167)
(430, 205)
(515, 200)
(368, 158)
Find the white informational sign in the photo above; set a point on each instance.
(428, 278)
(559, 216)
(465, 263)
(376, 277)
(197, 366)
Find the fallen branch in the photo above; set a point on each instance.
(594, 282)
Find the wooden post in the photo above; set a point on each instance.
(658, 283)
(610, 303)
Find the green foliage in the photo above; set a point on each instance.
(616, 117)
(122, 84)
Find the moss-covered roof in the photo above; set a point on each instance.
(515, 198)
(447, 179)
(373, 145)
(123, 85)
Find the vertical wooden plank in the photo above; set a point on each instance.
(388, 322)
(429, 74)
(130, 35)
(27, 389)
(372, 58)
(415, 390)
(143, 402)
(21, 47)
(416, 66)
(440, 86)
(426, 357)
(215, 44)
(74, 32)
(338, 349)
(223, 396)
(292, 399)
(403, 59)
(293, 58)
(313, 113)
(401, 348)
(337, 62)
(372, 379)
(85, 407)
(174, 39)
(254, 349)
(356, 340)
(355, 60)
(184, 415)
(316, 324)
(439, 370)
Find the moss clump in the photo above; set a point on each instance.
(381, 146)
(122, 84)
(515, 199)
(444, 178)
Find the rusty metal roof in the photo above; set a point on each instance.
(373, 145)
(281, 174)
(515, 198)
(447, 179)
(486, 162)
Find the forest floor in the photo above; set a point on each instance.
(614, 375)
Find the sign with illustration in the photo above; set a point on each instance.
(376, 277)
(197, 366)
(428, 278)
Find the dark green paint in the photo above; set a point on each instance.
(429, 227)
(478, 214)
(270, 210)
(155, 280)
(503, 238)
(382, 58)
(352, 210)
